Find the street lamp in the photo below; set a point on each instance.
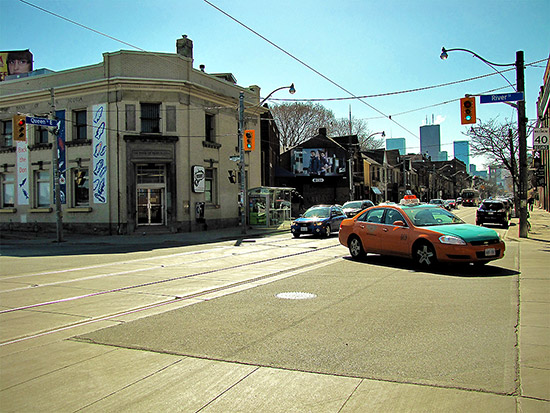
(242, 171)
(522, 129)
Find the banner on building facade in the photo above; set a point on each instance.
(99, 154)
(317, 162)
(22, 173)
(61, 157)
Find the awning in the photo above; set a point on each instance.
(376, 191)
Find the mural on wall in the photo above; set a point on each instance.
(99, 154)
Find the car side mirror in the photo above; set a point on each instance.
(399, 223)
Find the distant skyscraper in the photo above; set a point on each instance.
(396, 143)
(462, 152)
(430, 141)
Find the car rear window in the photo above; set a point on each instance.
(492, 206)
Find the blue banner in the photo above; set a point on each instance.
(61, 156)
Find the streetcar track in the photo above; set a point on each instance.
(157, 282)
(176, 299)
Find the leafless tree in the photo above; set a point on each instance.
(359, 127)
(499, 143)
(298, 122)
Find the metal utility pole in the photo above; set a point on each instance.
(56, 174)
(522, 133)
(242, 171)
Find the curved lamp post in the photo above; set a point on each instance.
(522, 129)
(243, 198)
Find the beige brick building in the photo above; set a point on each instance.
(146, 139)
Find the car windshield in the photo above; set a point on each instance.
(492, 206)
(431, 216)
(436, 201)
(318, 212)
(352, 204)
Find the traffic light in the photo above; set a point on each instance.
(249, 140)
(20, 128)
(468, 110)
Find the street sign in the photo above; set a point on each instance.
(42, 121)
(540, 139)
(235, 158)
(502, 97)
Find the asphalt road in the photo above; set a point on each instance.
(376, 319)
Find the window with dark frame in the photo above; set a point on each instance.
(150, 117)
(209, 135)
(42, 189)
(80, 125)
(210, 185)
(8, 190)
(7, 133)
(41, 134)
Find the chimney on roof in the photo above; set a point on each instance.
(323, 131)
(184, 46)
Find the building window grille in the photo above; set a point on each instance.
(150, 118)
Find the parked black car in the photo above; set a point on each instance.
(352, 208)
(492, 212)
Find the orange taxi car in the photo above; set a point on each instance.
(426, 233)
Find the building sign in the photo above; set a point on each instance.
(22, 173)
(317, 162)
(15, 62)
(198, 178)
(99, 154)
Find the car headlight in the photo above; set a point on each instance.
(451, 239)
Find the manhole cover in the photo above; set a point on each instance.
(295, 295)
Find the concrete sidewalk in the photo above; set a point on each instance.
(534, 312)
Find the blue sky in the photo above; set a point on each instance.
(366, 47)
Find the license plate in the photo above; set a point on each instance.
(490, 252)
(303, 229)
(491, 213)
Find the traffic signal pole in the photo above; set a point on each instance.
(242, 171)
(56, 174)
(522, 133)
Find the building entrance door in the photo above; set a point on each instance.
(151, 189)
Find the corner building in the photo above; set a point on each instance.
(145, 142)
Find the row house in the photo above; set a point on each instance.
(145, 141)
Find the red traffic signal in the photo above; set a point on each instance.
(468, 110)
(20, 128)
(249, 140)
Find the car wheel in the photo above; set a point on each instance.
(424, 255)
(327, 231)
(505, 225)
(296, 234)
(356, 248)
(479, 223)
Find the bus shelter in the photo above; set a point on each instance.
(269, 206)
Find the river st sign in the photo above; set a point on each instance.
(501, 97)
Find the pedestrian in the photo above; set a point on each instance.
(531, 201)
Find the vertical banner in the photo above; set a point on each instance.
(61, 156)
(99, 154)
(22, 173)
